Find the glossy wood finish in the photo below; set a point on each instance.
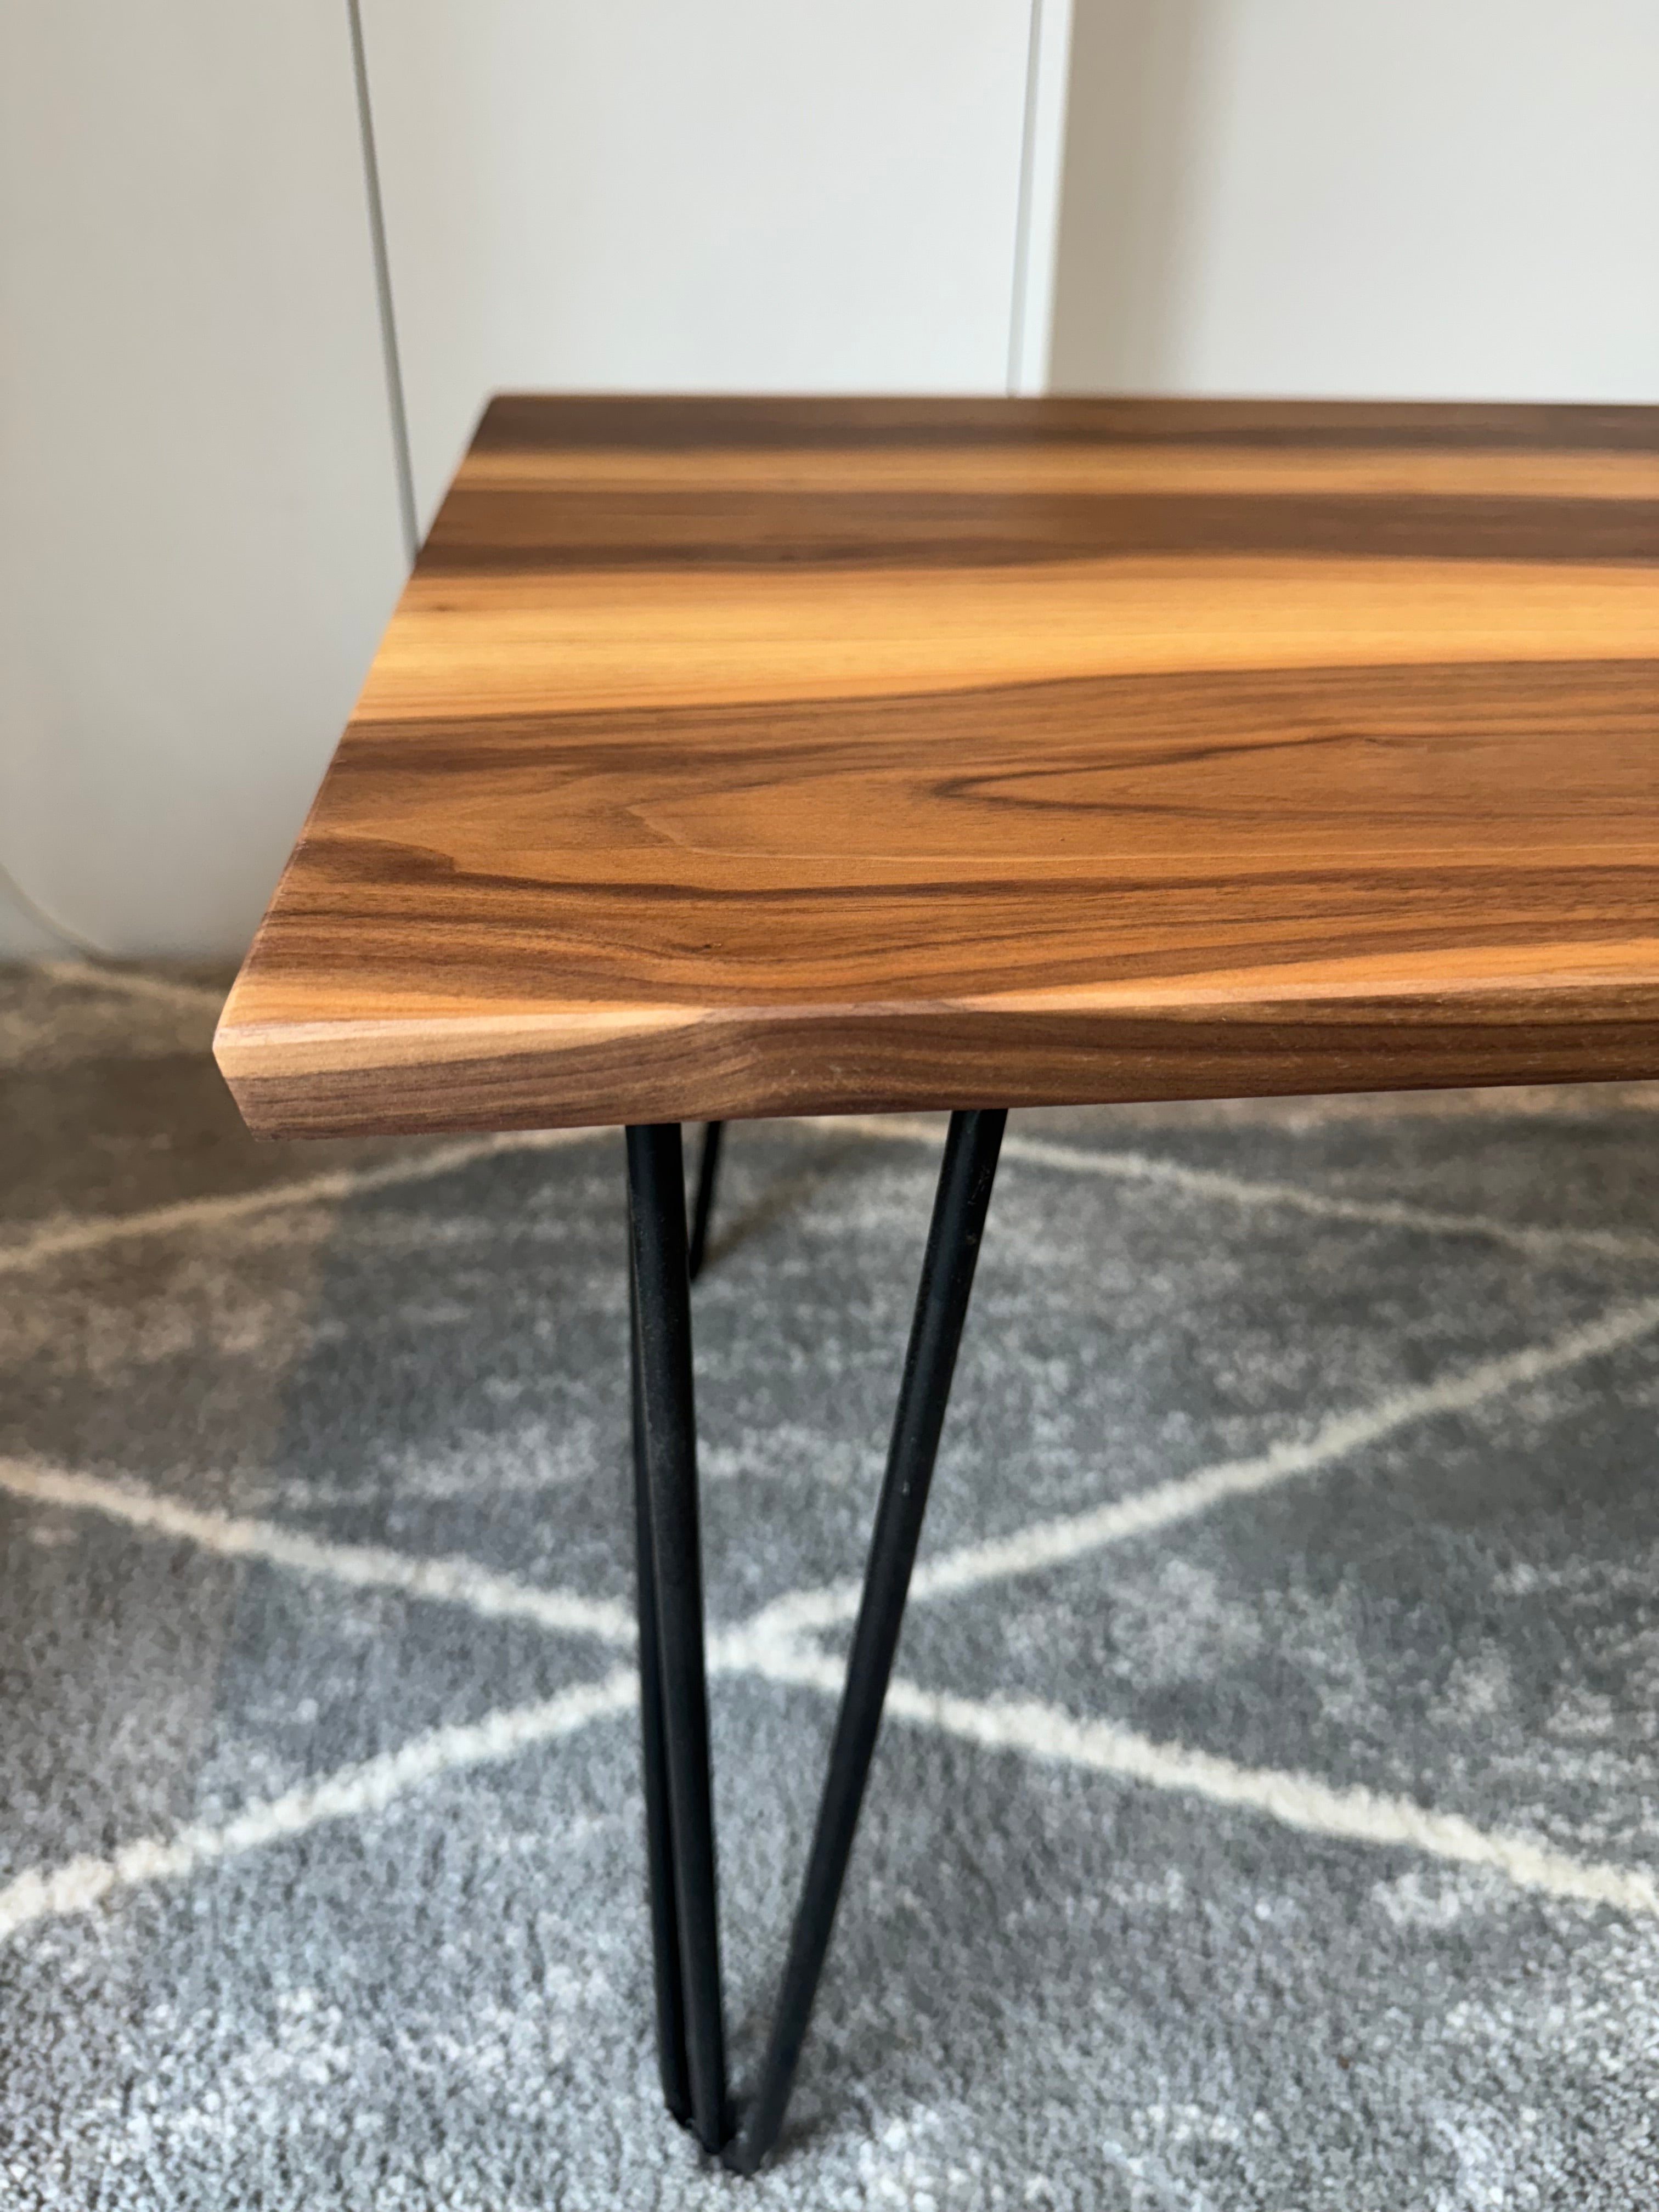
(729, 758)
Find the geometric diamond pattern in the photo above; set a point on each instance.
(1267, 1810)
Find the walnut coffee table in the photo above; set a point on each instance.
(729, 758)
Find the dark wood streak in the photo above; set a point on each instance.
(483, 532)
(543, 421)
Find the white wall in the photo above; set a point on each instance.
(197, 513)
(1454, 199)
(737, 196)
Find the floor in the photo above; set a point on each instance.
(1267, 1813)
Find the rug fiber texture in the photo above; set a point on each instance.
(1266, 1813)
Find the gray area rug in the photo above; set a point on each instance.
(1267, 1813)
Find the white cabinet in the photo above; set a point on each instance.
(1402, 198)
(200, 527)
(743, 195)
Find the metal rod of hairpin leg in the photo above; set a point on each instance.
(947, 1276)
(708, 1162)
(659, 1839)
(657, 1223)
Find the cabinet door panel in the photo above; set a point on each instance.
(1427, 200)
(739, 196)
(196, 473)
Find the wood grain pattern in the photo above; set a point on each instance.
(732, 757)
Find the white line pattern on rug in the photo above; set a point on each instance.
(351, 1793)
(765, 1645)
(1056, 1543)
(1024, 1727)
(1025, 1551)
(1239, 1190)
(62, 1238)
(331, 1187)
(1296, 1801)
(200, 998)
(361, 1567)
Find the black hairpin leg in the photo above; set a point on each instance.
(671, 1565)
(947, 1276)
(659, 1839)
(708, 1163)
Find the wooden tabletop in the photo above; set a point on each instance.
(733, 757)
